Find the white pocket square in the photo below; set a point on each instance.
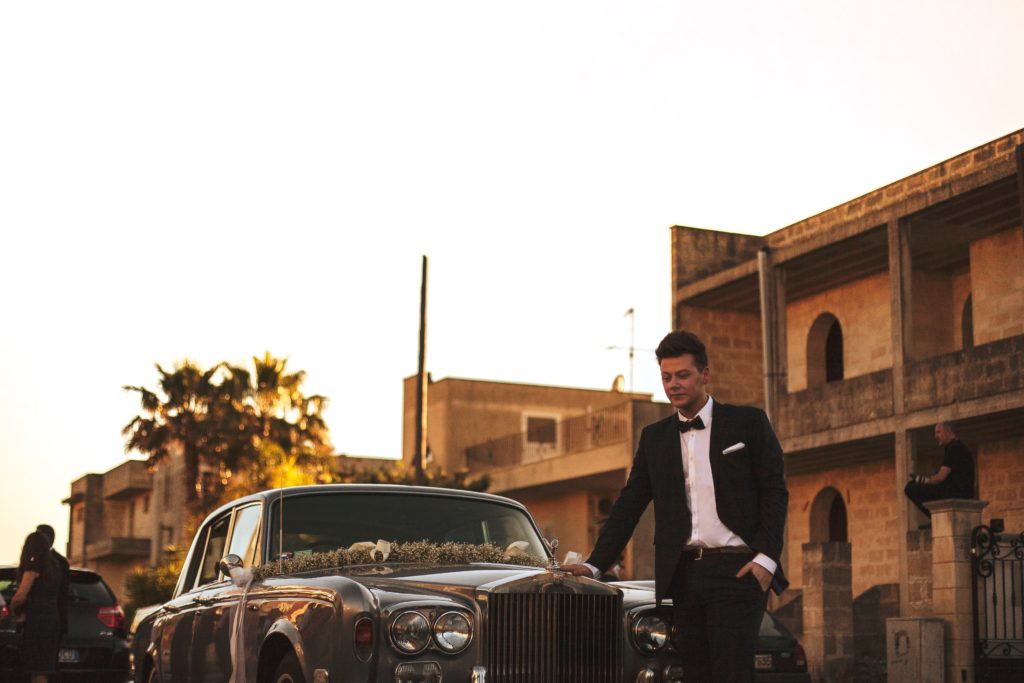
(733, 448)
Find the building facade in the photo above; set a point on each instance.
(857, 330)
(563, 452)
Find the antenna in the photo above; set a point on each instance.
(631, 314)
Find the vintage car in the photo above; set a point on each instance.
(461, 587)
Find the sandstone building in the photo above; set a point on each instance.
(563, 452)
(857, 329)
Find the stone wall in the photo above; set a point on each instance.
(862, 308)
(1000, 466)
(698, 253)
(932, 316)
(733, 341)
(986, 370)
(869, 491)
(997, 275)
(836, 404)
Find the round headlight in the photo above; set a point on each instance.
(452, 632)
(650, 633)
(410, 632)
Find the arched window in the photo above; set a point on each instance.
(967, 325)
(825, 351)
(834, 353)
(828, 517)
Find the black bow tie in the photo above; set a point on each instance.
(687, 425)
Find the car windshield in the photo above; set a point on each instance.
(327, 521)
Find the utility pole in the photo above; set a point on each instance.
(421, 386)
(632, 346)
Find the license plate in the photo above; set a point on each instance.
(762, 661)
(67, 655)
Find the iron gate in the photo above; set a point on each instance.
(997, 582)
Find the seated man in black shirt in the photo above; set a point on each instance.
(955, 479)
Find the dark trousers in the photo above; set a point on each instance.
(919, 494)
(717, 618)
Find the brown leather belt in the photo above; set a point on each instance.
(700, 552)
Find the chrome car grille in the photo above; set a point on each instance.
(554, 638)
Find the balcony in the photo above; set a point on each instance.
(575, 435)
(118, 548)
(979, 372)
(836, 404)
(127, 480)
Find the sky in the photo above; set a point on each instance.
(215, 180)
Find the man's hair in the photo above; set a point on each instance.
(47, 531)
(680, 343)
(948, 426)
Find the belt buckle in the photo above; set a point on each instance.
(700, 553)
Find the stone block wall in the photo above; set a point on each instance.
(733, 341)
(932, 316)
(1000, 466)
(870, 610)
(993, 368)
(697, 253)
(862, 308)
(872, 502)
(836, 404)
(828, 611)
(919, 573)
(997, 276)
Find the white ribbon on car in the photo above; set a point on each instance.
(517, 549)
(379, 551)
(242, 578)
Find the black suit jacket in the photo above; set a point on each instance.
(750, 491)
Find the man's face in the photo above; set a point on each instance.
(942, 434)
(685, 385)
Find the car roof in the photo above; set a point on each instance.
(290, 491)
(75, 571)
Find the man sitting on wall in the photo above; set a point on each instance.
(955, 479)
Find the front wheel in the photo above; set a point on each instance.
(288, 670)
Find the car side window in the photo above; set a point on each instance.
(244, 534)
(214, 551)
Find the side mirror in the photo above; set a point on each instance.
(229, 562)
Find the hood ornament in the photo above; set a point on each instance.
(553, 546)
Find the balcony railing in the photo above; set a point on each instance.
(985, 370)
(575, 435)
(127, 480)
(836, 404)
(118, 547)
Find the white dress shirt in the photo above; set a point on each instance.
(707, 529)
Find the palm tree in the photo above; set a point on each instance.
(226, 418)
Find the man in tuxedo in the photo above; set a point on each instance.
(715, 474)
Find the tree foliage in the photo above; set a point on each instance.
(348, 472)
(228, 420)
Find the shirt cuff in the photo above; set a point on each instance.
(766, 562)
(597, 572)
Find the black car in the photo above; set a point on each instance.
(94, 648)
(779, 657)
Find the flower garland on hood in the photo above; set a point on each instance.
(417, 552)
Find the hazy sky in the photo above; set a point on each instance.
(213, 180)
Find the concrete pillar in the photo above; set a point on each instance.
(952, 523)
(917, 598)
(828, 611)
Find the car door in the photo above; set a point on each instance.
(219, 601)
(176, 624)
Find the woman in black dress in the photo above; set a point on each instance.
(35, 606)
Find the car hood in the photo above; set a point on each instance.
(469, 580)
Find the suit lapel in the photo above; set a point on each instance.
(719, 433)
(674, 450)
